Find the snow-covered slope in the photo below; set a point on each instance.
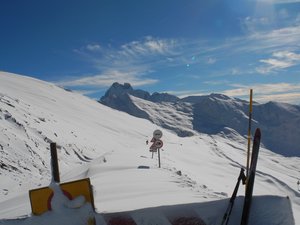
(176, 117)
(110, 146)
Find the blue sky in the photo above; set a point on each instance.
(183, 47)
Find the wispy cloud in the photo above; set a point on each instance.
(285, 38)
(186, 93)
(133, 54)
(245, 55)
(282, 92)
(280, 60)
(266, 42)
(107, 78)
(292, 98)
(147, 47)
(290, 56)
(253, 24)
(211, 60)
(264, 52)
(130, 62)
(138, 59)
(93, 47)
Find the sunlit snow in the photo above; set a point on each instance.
(197, 173)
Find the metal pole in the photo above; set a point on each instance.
(158, 158)
(54, 163)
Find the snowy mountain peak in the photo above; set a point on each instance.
(214, 114)
(118, 89)
(219, 96)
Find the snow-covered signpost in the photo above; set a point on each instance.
(54, 163)
(157, 144)
(157, 134)
(58, 197)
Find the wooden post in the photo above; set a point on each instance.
(249, 137)
(158, 158)
(54, 163)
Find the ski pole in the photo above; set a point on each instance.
(227, 213)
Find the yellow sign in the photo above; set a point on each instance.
(40, 199)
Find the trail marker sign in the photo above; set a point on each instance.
(158, 144)
(153, 140)
(157, 134)
(153, 148)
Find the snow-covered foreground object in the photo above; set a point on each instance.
(63, 211)
(205, 213)
(110, 147)
(186, 214)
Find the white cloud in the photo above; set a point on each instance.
(93, 47)
(107, 78)
(183, 94)
(273, 64)
(141, 53)
(235, 71)
(152, 54)
(279, 92)
(292, 98)
(287, 55)
(280, 60)
(283, 39)
(282, 92)
(135, 61)
(130, 62)
(147, 47)
(253, 24)
(288, 36)
(211, 60)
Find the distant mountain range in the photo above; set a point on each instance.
(211, 114)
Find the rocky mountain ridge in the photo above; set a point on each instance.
(211, 114)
